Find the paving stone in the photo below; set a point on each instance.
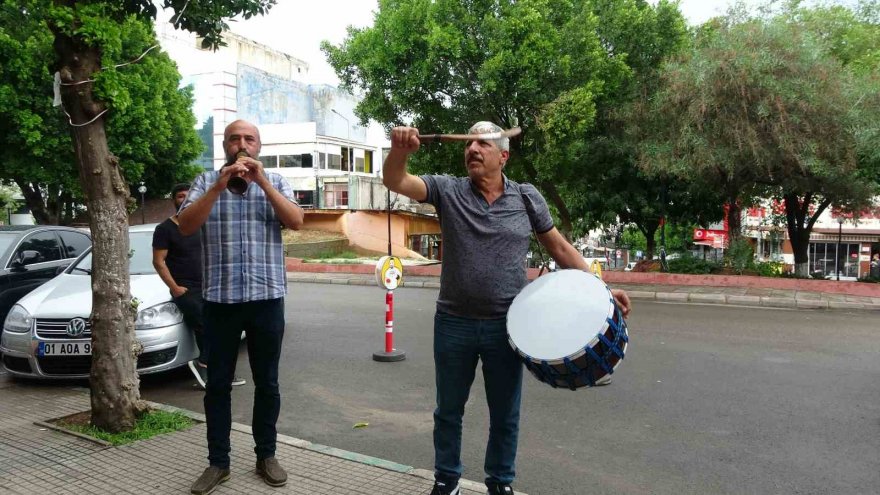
(38, 460)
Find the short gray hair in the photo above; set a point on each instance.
(485, 127)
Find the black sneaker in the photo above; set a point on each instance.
(441, 488)
(500, 490)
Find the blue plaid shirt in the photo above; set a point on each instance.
(242, 252)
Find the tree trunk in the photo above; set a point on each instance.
(800, 223)
(34, 200)
(649, 229)
(114, 381)
(553, 196)
(734, 218)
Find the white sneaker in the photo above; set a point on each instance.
(237, 380)
(605, 380)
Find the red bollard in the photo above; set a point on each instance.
(389, 321)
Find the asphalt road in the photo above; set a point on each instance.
(710, 399)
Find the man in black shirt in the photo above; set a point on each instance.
(178, 261)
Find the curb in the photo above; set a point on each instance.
(327, 450)
(667, 297)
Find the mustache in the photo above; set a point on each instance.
(474, 156)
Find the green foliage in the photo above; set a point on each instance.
(155, 422)
(740, 255)
(150, 126)
(692, 265)
(769, 268)
(556, 69)
(785, 105)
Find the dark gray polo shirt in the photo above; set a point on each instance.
(484, 246)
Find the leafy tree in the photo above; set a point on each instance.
(761, 107)
(151, 131)
(553, 68)
(90, 41)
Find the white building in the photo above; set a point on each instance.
(309, 132)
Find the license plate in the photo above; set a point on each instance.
(64, 349)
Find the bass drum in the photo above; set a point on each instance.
(567, 329)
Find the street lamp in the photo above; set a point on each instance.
(143, 190)
(840, 221)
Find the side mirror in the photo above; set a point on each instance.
(29, 257)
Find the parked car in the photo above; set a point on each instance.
(31, 255)
(47, 334)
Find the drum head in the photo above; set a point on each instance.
(558, 314)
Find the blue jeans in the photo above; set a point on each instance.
(458, 344)
(264, 323)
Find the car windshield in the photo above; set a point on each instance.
(140, 256)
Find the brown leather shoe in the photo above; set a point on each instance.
(271, 472)
(209, 480)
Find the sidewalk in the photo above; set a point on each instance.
(36, 459)
(741, 296)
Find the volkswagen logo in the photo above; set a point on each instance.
(76, 327)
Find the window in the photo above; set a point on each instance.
(322, 160)
(304, 198)
(296, 161)
(334, 162)
(828, 257)
(335, 195)
(44, 243)
(74, 243)
(269, 161)
(359, 165)
(290, 161)
(368, 162)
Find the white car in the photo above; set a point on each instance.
(47, 334)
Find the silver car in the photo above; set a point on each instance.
(47, 334)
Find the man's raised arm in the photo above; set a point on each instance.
(404, 142)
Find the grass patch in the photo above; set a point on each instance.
(326, 255)
(154, 422)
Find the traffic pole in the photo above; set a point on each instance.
(388, 275)
(390, 354)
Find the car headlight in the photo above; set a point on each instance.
(18, 320)
(160, 315)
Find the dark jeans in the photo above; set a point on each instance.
(192, 306)
(264, 323)
(458, 344)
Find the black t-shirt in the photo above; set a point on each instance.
(184, 258)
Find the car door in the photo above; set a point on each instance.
(33, 263)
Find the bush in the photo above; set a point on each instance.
(691, 265)
(740, 256)
(870, 279)
(769, 268)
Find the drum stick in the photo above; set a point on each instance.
(445, 138)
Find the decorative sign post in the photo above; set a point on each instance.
(389, 276)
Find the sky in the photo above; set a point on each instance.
(297, 27)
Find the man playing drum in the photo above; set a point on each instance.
(486, 222)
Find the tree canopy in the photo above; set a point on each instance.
(763, 107)
(151, 129)
(553, 68)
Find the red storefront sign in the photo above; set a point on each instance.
(711, 237)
